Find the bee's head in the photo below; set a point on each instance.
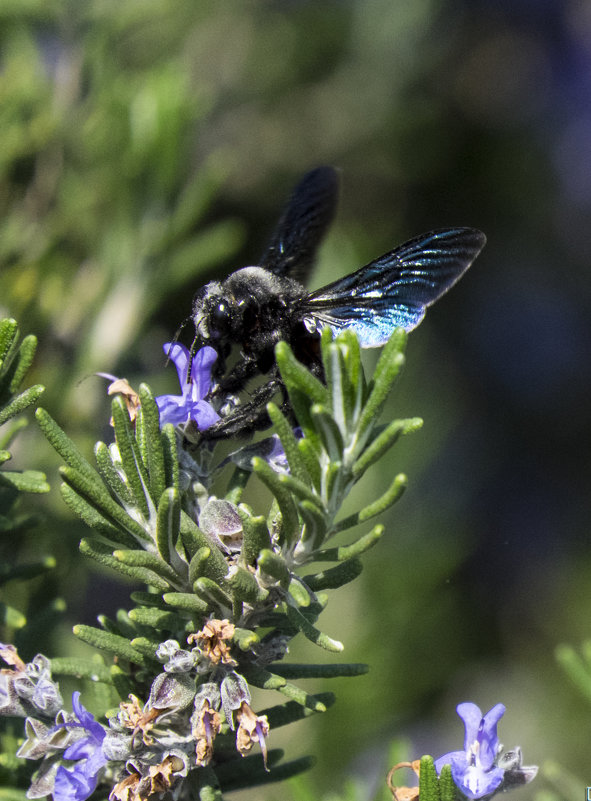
(213, 314)
(230, 311)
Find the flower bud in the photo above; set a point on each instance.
(220, 521)
(234, 692)
(171, 692)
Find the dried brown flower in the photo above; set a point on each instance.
(213, 641)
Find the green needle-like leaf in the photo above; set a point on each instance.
(245, 639)
(146, 647)
(389, 365)
(21, 402)
(357, 548)
(273, 565)
(291, 711)
(198, 563)
(383, 442)
(245, 587)
(447, 787)
(396, 344)
(291, 524)
(240, 776)
(211, 592)
(340, 399)
(143, 598)
(296, 376)
(105, 641)
(389, 498)
(309, 453)
(195, 540)
(328, 431)
(95, 520)
(311, 632)
(256, 537)
(150, 421)
(392, 494)
(111, 475)
(329, 671)
(64, 446)
(265, 680)
(170, 456)
(27, 481)
(23, 360)
(136, 558)
(93, 669)
(428, 783)
(168, 524)
(283, 428)
(156, 618)
(135, 469)
(8, 336)
(300, 490)
(335, 576)
(186, 601)
(316, 524)
(96, 495)
(101, 552)
(355, 378)
(299, 592)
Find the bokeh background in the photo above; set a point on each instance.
(146, 147)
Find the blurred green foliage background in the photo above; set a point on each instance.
(146, 147)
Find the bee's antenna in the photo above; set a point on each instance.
(176, 337)
(192, 352)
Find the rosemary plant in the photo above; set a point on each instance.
(226, 588)
(15, 359)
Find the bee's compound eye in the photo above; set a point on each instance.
(220, 318)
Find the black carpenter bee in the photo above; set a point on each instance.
(256, 307)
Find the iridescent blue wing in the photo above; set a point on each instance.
(394, 290)
(304, 221)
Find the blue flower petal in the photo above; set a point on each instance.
(86, 718)
(73, 785)
(80, 782)
(471, 715)
(474, 782)
(179, 356)
(203, 362)
(473, 769)
(173, 409)
(448, 759)
(204, 415)
(488, 739)
(190, 404)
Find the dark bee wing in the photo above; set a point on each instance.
(302, 225)
(394, 290)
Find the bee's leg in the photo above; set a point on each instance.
(248, 417)
(235, 380)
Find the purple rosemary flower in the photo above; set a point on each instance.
(79, 783)
(474, 770)
(189, 405)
